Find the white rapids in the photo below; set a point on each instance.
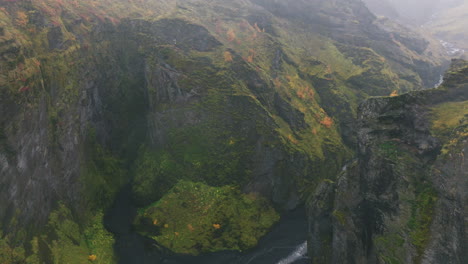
(451, 49)
(298, 253)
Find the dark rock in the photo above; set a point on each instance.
(402, 199)
(55, 38)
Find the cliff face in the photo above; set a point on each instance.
(98, 94)
(404, 199)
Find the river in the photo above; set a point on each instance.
(451, 49)
(285, 244)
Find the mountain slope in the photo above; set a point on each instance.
(404, 199)
(255, 94)
(450, 25)
(445, 20)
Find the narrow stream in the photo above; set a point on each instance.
(285, 244)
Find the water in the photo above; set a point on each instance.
(441, 80)
(299, 253)
(451, 49)
(283, 245)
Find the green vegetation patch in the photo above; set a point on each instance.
(450, 124)
(70, 243)
(194, 218)
(10, 253)
(389, 150)
(340, 216)
(102, 174)
(448, 116)
(214, 152)
(390, 248)
(64, 241)
(156, 173)
(422, 212)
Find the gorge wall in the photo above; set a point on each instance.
(403, 200)
(260, 95)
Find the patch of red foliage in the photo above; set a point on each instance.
(327, 122)
(24, 89)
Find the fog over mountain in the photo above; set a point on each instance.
(413, 11)
(446, 20)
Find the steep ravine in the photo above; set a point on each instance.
(248, 104)
(403, 200)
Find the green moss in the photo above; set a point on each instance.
(389, 150)
(102, 174)
(155, 174)
(390, 248)
(340, 216)
(194, 218)
(422, 212)
(390, 260)
(10, 253)
(66, 241)
(99, 241)
(214, 151)
(449, 123)
(448, 116)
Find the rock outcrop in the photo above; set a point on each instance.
(404, 199)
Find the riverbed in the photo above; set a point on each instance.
(285, 244)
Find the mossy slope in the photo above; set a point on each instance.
(194, 218)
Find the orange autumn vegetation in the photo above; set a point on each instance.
(22, 18)
(231, 35)
(305, 93)
(277, 82)
(190, 227)
(249, 58)
(227, 56)
(327, 122)
(293, 139)
(394, 93)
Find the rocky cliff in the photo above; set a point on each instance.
(250, 94)
(403, 200)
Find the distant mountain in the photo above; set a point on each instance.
(450, 23)
(445, 20)
(409, 11)
(383, 8)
